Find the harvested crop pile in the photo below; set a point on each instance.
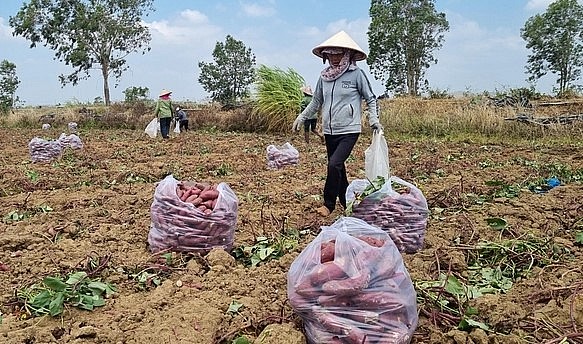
(282, 156)
(42, 150)
(192, 217)
(350, 285)
(401, 211)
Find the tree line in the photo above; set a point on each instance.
(403, 37)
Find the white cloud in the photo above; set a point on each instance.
(5, 29)
(538, 5)
(192, 26)
(257, 10)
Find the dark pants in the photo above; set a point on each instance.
(165, 126)
(338, 148)
(184, 125)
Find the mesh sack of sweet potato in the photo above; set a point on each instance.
(42, 150)
(282, 156)
(401, 211)
(70, 141)
(192, 217)
(349, 285)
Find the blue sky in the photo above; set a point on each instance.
(482, 51)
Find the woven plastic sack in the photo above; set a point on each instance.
(402, 214)
(349, 285)
(42, 150)
(70, 141)
(282, 156)
(72, 127)
(181, 227)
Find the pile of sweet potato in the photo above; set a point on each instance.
(354, 291)
(202, 195)
(192, 216)
(401, 212)
(281, 156)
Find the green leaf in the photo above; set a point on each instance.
(42, 299)
(467, 324)
(579, 237)
(497, 223)
(54, 283)
(241, 340)
(97, 287)
(56, 305)
(454, 286)
(76, 277)
(255, 260)
(234, 307)
(264, 253)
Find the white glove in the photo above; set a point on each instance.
(376, 127)
(298, 123)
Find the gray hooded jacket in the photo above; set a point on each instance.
(341, 102)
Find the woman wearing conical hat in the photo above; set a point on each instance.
(164, 112)
(339, 93)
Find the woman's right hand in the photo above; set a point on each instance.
(298, 123)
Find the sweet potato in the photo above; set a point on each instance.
(190, 198)
(209, 194)
(307, 290)
(329, 321)
(378, 300)
(372, 241)
(322, 273)
(335, 301)
(327, 251)
(348, 286)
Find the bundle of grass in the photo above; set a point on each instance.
(278, 98)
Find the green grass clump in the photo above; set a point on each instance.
(278, 97)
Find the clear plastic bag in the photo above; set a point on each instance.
(281, 156)
(181, 227)
(403, 215)
(350, 285)
(177, 127)
(152, 128)
(376, 157)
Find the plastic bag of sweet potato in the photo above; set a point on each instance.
(400, 210)
(350, 285)
(192, 217)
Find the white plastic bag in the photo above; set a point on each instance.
(281, 156)
(350, 285)
(152, 128)
(177, 127)
(376, 157)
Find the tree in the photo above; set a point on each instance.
(134, 94)
(95, 34)
(228, 78)
(402, 35)
(555, 40)
(8, 85)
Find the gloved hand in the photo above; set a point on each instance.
(376, 127)
(298, 123)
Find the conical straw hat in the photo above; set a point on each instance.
(340, 40)
(307, 90)
(164, 92)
